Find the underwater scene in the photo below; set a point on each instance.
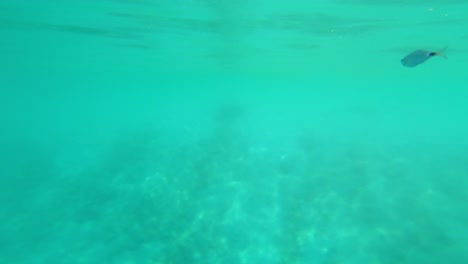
(234, 131)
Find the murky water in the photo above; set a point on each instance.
(232, 132)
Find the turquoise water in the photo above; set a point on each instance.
(215, 131)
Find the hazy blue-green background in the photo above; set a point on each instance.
(216, 131)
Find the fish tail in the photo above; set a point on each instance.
(441, 53)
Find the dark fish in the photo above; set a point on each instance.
(419, 56)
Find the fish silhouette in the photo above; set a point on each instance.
(419, 56)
